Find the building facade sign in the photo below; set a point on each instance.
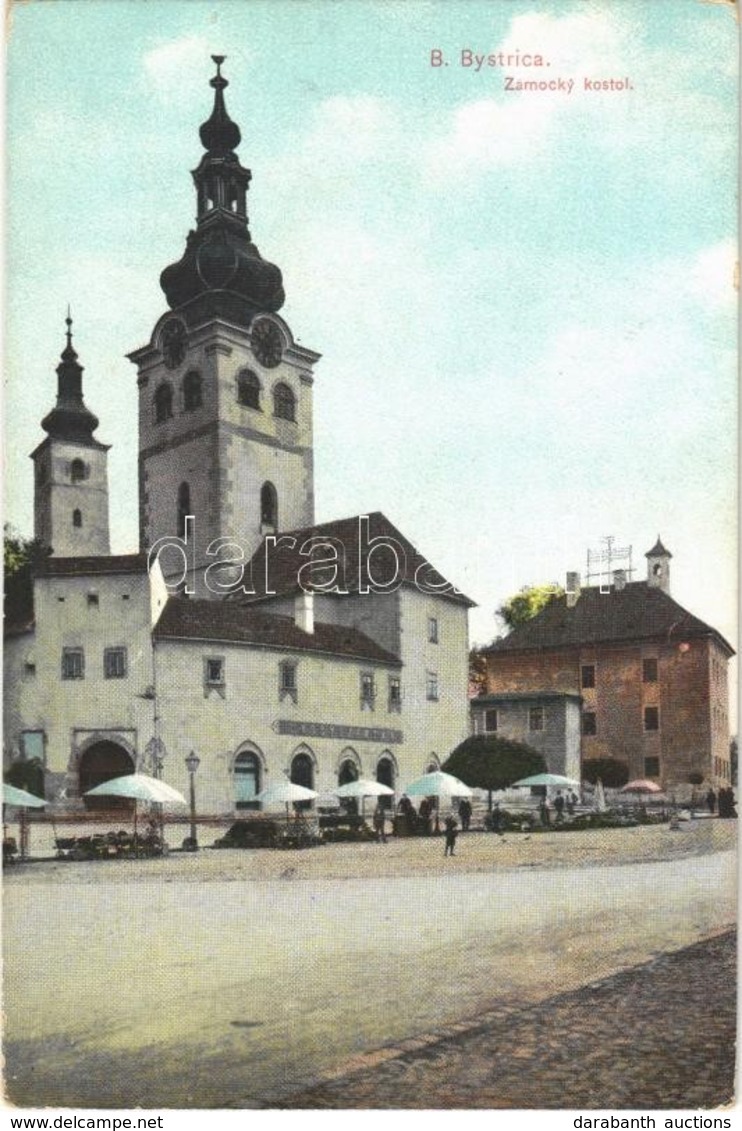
(333, 730)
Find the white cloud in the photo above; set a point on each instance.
(166, 64)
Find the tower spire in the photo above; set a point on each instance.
(70, 419)
(220, 256)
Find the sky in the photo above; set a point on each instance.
(524, 299)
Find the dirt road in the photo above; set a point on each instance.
(133, 985)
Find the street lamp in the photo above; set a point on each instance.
(192, 763)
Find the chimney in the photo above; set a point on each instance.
(304, 612)
(573, 589)
(619, 579)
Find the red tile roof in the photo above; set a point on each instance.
(363, 562)
(190, 619)
(637, 612)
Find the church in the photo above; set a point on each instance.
(241, 630)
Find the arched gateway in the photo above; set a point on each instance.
(101, 762)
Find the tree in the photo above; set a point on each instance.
(487, 761)
(477, 671)
(523, 606)
(611, 771)
(21, 557)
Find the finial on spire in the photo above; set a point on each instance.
(220, 135)
(68, 320)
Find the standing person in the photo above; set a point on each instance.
(465, 814)
(452, 832)
(425, 808)
(711, 801)
(496, 819)
(559, 807)
(380, 823)
(545, 811)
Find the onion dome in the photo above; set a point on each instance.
(70, 419)
(221, 267)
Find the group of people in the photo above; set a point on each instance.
(562, 804)
(724, 800)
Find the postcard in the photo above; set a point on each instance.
(370, 561)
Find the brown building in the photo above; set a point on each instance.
(652, 676)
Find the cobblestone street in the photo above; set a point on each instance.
(661, 1035)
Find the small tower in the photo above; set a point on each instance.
(225, 392)
(658, 567)
(71, 470)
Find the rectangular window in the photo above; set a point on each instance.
(73, 663)
(287, 682)
(651, 767)
(431, 682)
(536, 718)
(114, 663)
(33, 746)
(649, 671)
(589, 722)
(368, 690)
(395, 694)
(651, 718)
(490, 720)
(433, 630)
(587, 675)
(214, 671)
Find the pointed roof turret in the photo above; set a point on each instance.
(221, 267)
(70, 419)
(658, 550)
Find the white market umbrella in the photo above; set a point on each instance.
(285, 793)
(599, 797)
(438, 784)
(20, 798)
(139, 787)
(548, 779)
(363, 788)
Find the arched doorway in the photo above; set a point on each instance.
(101, 762)
(302, 773)
(247, 780)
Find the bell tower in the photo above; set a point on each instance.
(658, 567)
(225, 393)
(71, 470)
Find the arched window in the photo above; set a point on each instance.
(385, 772)
(192, 391)
(348, 772)
(302, 773)
(77, 471)
(284, 402)
(184, 507)
(269, 505)
(77, 517)
(248, 389)
(385, 775)
(246, 781)
(163, 403)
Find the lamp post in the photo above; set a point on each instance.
(192, 763)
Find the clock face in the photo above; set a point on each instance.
(173, 342)
(267, 343)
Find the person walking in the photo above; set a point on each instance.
(711, 801)
(545, 811)
(452, 831)
(465, 814)
(559, 807)
(379, 821)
